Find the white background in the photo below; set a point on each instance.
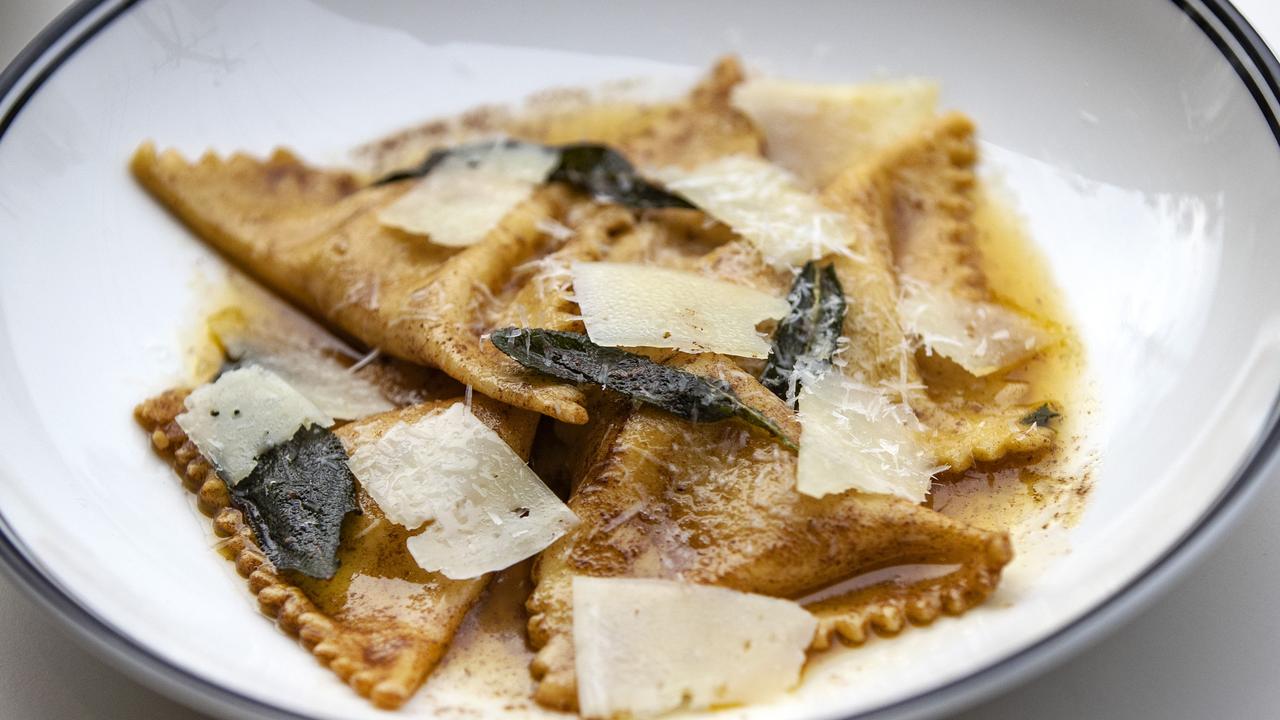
(1209, 648)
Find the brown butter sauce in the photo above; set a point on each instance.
(1009, 493)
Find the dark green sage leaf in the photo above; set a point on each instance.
(573, 357)
(295, 500)
(606, 175)
(806, 337)
(435, 157)
(1041, 416)
(595, 169)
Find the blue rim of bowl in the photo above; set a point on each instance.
(1221, 23)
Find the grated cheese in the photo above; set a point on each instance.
(980, 337)
(644, 647)
(817, 131)
(470, 191)
(487, 509)
(625, 305)
(766, 205)
(854, 437)
(245, 412)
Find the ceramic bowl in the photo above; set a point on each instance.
(1138, 140)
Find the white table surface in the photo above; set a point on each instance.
(1209, 648)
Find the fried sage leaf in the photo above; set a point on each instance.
(605, 174)
(595, 169)
(1041, 416)
(295, 500)
(573, 357)
(806, 337)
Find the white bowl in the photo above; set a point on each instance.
(1139, 138)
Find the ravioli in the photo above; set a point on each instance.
(291, 227)
(717, 505)
(382, 623)
(895, 216)
(937, 260)
(900, 209)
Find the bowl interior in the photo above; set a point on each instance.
(1140, 162)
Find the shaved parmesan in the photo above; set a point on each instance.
(244, 413)
(334, 389)
(470, 191)
(978, 336)
(627, 305)
(854, 437)
(816, 131)
(487, 509)
(766, 205)
(643, 647)
(266, 332)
